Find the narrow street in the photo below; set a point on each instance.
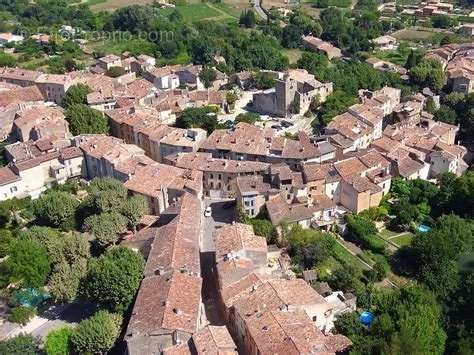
(221, 215)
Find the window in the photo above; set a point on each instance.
(13, 189)
(220, 177)
(212, 176)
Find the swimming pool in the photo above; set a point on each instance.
(423, 228)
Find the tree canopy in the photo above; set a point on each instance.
(27, 264)
(97, 334)
(113, 278)
(76, 94)
(56, 209)
(309, 247)
(20, 345)
(84, 120)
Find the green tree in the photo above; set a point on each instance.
(114, 278)
(105, 227)
(7, 60)
(312, 62)
(106, 195)
(97, 334)
(437, 253)
(308, 247)
(365, 231)
(248, 117)
(133, 210)
(231, 97)
(21, 315)
(263, 81)
(337, 103)
(5, 216)
(430, 105)
(381, 268)
(115, 72)
(56, 209)
(201, 117)
(84, 120)
(263, 228)
(6, 240)
(400, 188)
(247, 19)
(65, 280)
(27, 264)
(58, 341)
(418, 312)
(446, 114)
(132, 18)
(76, 94)
(50, 238)
(20, 345)
(291, 36)
(413, 58)
(428, 72)
(443, 21)
(207, 76)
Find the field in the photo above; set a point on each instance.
(408, 34)
(111, 5)
(194, 10)
(396, 57)
(329, 3)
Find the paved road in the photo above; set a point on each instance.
(259, 10)
(49, 319)
(220, 216)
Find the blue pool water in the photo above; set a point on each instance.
(366, 318)
(423, 229)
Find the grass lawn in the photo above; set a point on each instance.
(193, 12)
(342, 254)
(326, 268)
(411, 34)
(293, 54)
(396, 57)
(329, 3)
(111, 5)
(205, 11)
(403, 240)
(93, 2)
(386, 234)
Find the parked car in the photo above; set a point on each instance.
(208, 212)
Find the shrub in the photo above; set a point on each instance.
(58, 342)
(19, 345)
(262, 228)
(21, 314)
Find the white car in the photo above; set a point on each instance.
(208, 212)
